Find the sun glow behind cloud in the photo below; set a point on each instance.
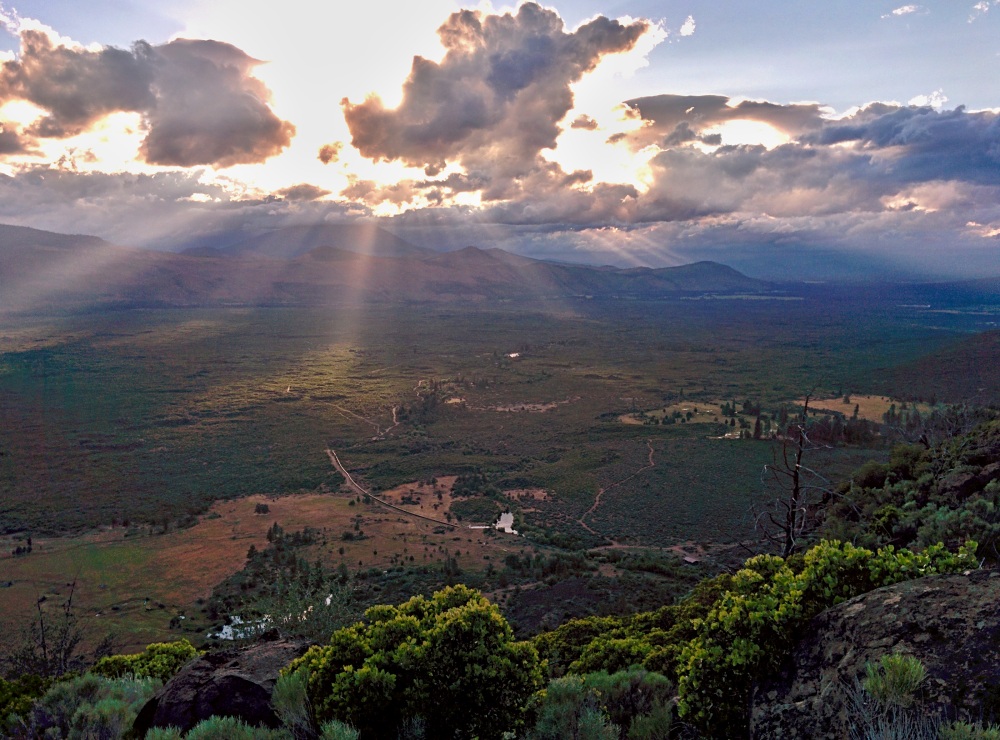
(347, 50)
(597, 97)
(741, 132)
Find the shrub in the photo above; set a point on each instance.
(159, 660)
(450, 659)
(968, 731)
(335, 730)
(231, 728)
(89, 706)
(290, 699)
(163, 733)
(894, 680)
(17, 696)
(634, 703)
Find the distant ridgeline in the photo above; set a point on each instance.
(326, 265)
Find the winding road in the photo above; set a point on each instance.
(602, 491)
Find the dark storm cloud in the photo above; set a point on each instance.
(199, 100)
(496, 99)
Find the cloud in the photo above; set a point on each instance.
(910, 144)
(935, 100)
(905, 10)
(496, 99)
(667, 117)
(688, 27)
(166, 210)
(981, 8)
(888, 185)
(492, 124)
(330, 152)
(10, 141)
(199, 101)
(303, 191)
(210, 109)
(76, 86)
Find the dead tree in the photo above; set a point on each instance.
(48, 646)
(786, 519)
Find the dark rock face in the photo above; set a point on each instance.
(950, 623)
(236, 682)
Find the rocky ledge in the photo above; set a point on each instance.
(950, 623)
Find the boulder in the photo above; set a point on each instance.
(236, 682)
(950, 623)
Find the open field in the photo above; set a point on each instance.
(135, 582)
(171, 425)
(872, 408)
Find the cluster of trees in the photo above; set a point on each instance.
(946, 493)
(266, 569)
(24, 549)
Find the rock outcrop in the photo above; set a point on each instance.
(950, 623)
(236, 682)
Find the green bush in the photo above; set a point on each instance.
(653, 639)
(635, 703)
(17, 696)
(290, 699)
(751, 627)
(159, 660)
(450, 659)
(163, 733)
(88, 706)
(924, 496)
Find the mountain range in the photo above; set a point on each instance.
(314, 265)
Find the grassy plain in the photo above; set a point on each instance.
(144, 421)
(134, 582)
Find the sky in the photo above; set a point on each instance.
(787, 139)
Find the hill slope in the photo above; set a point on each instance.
(294, 241)
(44, 271)
(968, 371)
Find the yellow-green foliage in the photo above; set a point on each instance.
(752, 626)
(159, 660)
(18, 694)
(651, 639)
(451, 660)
